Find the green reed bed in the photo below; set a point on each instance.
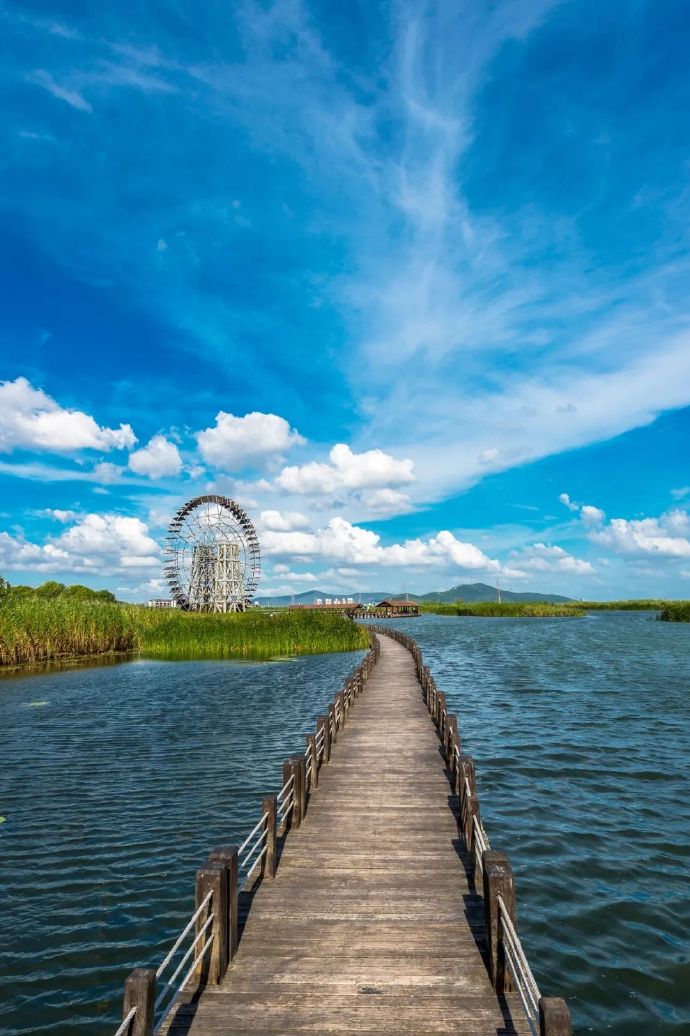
(39, 630)
(514, 610)
(676, 611)
(252, 634)
(646, 604)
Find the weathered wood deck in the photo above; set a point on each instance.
(370, 925)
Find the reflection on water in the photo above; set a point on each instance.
(581, 733)
(113, 791)
(61, 665)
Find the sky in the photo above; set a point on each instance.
(408, 281)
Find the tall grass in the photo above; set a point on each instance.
(256, 633)
(676, 611)
(509, 609)
(35, 630)
(538, 609)
(639, 605)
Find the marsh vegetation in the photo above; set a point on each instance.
(509, 609)
(37, 629)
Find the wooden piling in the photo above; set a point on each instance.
(140, 992)
(210, 967)
(554, 1017)
(466, 771)
(299, 790)
(288, 814)
(227, 858)
(322, 724)
(498, 881)
(269, 805)
(313, 759)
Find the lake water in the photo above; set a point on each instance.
(115, 789)
(581, 733)
(116, 782)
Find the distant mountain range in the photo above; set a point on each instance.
(465, 592)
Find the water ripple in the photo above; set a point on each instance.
(114, 794)
(581, 732)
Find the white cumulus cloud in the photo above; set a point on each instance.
(235, 443)
(98, 543)
(283, 521)
(342, 542)
(590, 514)
(347, 471)
(665, 536)
(567, 502)
(542, 557)
(31, 419)
(158, 458)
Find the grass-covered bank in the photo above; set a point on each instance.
(39, 630)
(494, 609)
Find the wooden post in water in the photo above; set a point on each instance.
(269, 805)
(554, 1017)
(140, 992)
(332, 727)
(322, 724)
(210, 967)
(226, 857)
(498, 881)
(311, 750)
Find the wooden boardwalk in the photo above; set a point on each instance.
(371, 924)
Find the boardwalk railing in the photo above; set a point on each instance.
(491, 871)
(209, 940)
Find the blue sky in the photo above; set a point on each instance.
(409, 281)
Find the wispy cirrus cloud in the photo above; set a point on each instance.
(63, 93)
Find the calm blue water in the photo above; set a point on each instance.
(115, 790)
(581, 733)
(116, 782)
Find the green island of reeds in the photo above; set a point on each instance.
(34, 629)
(642, 604)
(507, 609)
(675, 611)
(668, 611)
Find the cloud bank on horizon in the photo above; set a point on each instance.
(408, 282)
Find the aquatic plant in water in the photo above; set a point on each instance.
(35, 630)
